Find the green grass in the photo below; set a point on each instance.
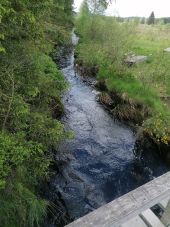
(151, 41)
(147, 82)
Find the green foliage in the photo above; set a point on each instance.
(14, 151)
(22, 165)
(159, 128)
(21, 203)
(151, 19)
(30, 90)
(106, 42)
(102, 37)
(97, 6)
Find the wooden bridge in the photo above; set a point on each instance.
(134, 209)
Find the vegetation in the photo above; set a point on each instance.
(144, 20)
(30, 90)
(151, 19)
(155, 75)
(31, 86)
(105, 42)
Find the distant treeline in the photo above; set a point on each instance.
(144, 20)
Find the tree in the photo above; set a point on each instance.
(89, 13)
(97, 6)
(151, 19)
(30, 100)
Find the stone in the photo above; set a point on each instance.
(167, 49)
(130, 60)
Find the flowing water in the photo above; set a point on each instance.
(103, 166)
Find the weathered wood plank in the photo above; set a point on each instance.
(135, 222)
(128, 206)
(151, 219)
(166, 215)
(164, 203)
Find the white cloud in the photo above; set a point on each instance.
(141, 8)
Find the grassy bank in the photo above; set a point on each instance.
(105, 43)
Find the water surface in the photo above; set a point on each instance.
(104, 166)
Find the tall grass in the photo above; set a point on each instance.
(105, 42)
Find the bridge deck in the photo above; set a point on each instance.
(132, 207)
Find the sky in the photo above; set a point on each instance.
(142, 8)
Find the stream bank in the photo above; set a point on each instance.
(127, 110)
(102, 163)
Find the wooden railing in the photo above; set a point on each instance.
(130, 205)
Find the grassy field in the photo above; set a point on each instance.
(154, 76)
(105, 42)
(151, 41)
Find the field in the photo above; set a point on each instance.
(106, 43)
(151, 41)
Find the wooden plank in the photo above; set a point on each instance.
(166, 215)
(151, 219)
(163, 203)
(128, 206)
(135, 222)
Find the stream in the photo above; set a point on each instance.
(103, 164)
